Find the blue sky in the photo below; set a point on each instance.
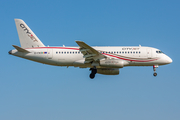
(30, 90)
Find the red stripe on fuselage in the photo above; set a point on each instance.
(129, 59)
(54, 48)
(102, 53)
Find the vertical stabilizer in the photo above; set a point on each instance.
(26, 36)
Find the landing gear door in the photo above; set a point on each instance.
(149, 53)
(49, 53)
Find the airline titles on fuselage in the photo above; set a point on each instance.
(130, 48)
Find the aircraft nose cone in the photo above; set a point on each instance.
(169, 60)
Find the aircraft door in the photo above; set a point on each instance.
(149, 53)
(49, 53)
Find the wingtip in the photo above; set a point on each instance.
(77, 41)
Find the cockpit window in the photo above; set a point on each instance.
(159, 52)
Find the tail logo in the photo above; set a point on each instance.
(28, 33)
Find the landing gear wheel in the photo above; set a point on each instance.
(155, 74)
(92, 75)
(93, 72)
(154, 69)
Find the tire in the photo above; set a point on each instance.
(92, 76)
(155, 74)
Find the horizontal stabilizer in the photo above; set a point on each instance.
(20, 49)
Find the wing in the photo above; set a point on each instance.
(90, 54)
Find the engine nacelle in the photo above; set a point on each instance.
(108, 71)
(113, 63)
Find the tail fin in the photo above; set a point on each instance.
(26, 36)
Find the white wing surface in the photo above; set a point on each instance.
(90, 54)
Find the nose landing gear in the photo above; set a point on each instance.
(93, 72)
(154, 69)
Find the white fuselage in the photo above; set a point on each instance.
(102, 60)
(71, 56)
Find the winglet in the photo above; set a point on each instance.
(20, 49)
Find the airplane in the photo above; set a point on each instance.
(101, 60)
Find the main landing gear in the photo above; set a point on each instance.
(93, 72)
(154, 68)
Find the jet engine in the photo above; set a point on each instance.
(114, 63)
(108, 71)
